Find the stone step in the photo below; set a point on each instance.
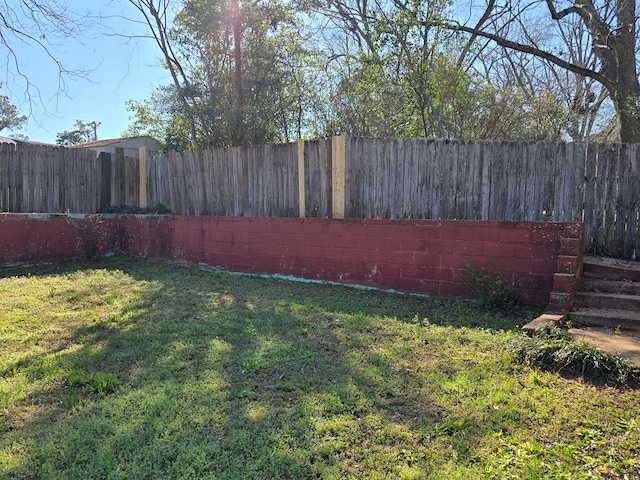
(610, 318)
(610, 286)
(618, 301)
(611, 269)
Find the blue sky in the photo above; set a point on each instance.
(118, 70)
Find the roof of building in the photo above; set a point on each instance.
(20, 141)
(107, 142)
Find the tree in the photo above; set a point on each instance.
(395, 74)
(610, 26)
(84, 132)
(9, 115)
(160, 116)
(157, 16)
(233, 67)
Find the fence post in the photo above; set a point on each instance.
(338, 169)
(301, 176)
(142, 166)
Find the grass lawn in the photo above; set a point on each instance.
(126, 369)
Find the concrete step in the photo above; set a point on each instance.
(624, 344)
(610, 318)
(609, 286)
(611, 268)
(618, 301)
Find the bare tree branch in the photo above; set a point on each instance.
(531, 50)
(42, 26)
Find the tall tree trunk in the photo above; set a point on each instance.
(238, 128)
(627, 96)
(626, 101)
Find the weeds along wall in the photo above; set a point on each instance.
(419, 256)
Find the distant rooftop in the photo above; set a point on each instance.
(20, 141)
(107, 142)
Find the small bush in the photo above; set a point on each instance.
(493, 289)
(158, 209)
(553, 349)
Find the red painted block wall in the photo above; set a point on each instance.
(420, 256)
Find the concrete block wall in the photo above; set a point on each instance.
(419, 256)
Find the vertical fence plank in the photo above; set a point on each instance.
(589, 194)
(600, 196)
(28, 178)
(5, 161)
(105, 181)
(142, 176)
(164, 171)
(209, 180)
(619, 245)
(15, 182)
(498, 187)
(610, 195)
(578, 192)
(632, 204)
(316, 177)
(183, 200)
(437, 171)
(36, 180)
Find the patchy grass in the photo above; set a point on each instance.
(125, 369)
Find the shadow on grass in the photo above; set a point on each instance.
(221, 376)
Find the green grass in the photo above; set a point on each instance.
(126, 369)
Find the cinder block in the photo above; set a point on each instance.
(570, 246)
(544, 319)
(568, 264)
(560, 302)
(564, 282)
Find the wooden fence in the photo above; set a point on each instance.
(349, 177)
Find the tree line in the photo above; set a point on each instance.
(265, 71)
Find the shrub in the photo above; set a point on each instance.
(492, 288)
(158, 209)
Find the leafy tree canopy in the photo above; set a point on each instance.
(10, 118)
(84, 132)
